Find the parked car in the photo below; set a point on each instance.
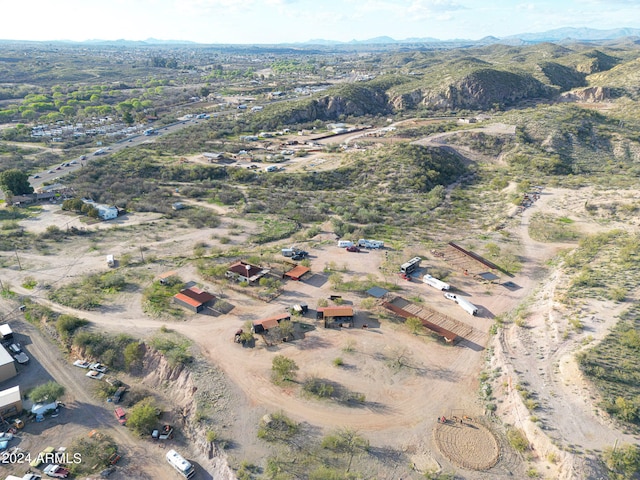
(49, 171)
(121, 415)
(117, 397)
(353, 248)
(15, 348)
(95, 375)
(21, 358)
(36, 462)
(81, 363)
(36, 176)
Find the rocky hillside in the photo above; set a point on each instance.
(482, 88)
(353, 99)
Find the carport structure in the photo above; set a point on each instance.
(297, 272)
(335, 317)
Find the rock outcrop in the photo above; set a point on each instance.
(587, 95)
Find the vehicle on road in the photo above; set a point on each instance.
(36, 176)
(49, 171)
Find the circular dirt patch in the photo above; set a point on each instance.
(467, 444)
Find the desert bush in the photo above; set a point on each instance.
(277, 427)
(517, 439)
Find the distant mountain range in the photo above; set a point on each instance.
(557, 35)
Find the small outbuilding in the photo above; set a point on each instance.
(264, 325)
(336, 317)
(194, 299)
(163, 277)
(10, 402)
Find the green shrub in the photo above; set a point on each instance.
(517, 439)
(66, 325)
(277, 427)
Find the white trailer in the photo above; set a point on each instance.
(345, 243)
(435, 283)
(288, 252)
(465, 304)
(111, 261)
(367, 243)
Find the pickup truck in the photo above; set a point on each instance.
(98, 367)
(56, 471)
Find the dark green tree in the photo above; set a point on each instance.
(15, 182)
(142, 417)
(47, 392)
(283, 369)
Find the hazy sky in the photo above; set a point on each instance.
(278, 21)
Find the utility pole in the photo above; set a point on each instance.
(18, 258)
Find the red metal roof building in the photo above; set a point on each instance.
(193, 299)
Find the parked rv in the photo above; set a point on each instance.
(365, 243)
(345, 243)
(435, 283)
(465, 304)
(411, 266)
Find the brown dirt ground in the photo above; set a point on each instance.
(402, 405)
